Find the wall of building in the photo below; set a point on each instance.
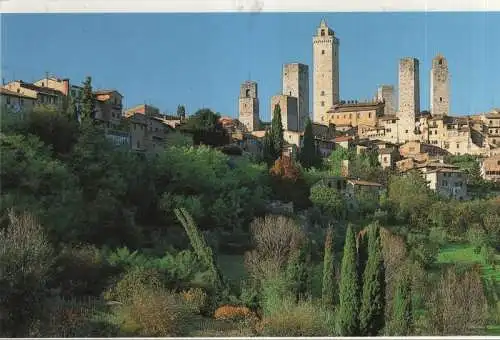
(296, 84)
(409, 97)
(387, 94)
(289, 114)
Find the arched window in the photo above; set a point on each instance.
(247, 93)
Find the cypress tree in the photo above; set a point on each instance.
(277, 132)
(88, 101)
(401, 322)
(372, 313)
(298, 272)
(268, 149)
(348, 315)
(309, 156)
(362, 248)
(328, 293)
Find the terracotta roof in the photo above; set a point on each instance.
(364, 183)
(343, 139)
(389, 117)
(354, 107)
(108, 91)
(41, 89)
(14, 94)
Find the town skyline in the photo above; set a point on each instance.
(171, 79)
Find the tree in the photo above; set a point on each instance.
(372, 313)
(329, 200)
(297, 271)
(88, 102)
(328, 293)
(348, 315)
(401, 321)
(268, 149)
(181, 111)
(309, 156)
(277, 132)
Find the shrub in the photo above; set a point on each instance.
(197, 298)
(25, 263)
(235, 313)
(458, 304)
(303, 319)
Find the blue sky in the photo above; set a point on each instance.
(200, 60)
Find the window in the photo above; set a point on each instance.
(322, 93)
(247, 93)
(322, 33)
(322, 51)
(369, 115)
(406, 131)
(440, 61)
(458, 145)
(322, 103)
(385, 159)
(8, 100)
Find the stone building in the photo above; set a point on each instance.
(440, 87)
(296, 84)
(13, 102)
(144, 109)
(289, 111)
(43, 95)
(326, 71)
(249, 105)
(409, 98)
(490, 168)
(354, 113)
(446, 181)
(386, 95)
(492, 127)
(148, 133)
(108, 108)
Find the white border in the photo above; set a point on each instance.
(89, 6)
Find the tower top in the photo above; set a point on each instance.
(324, 30)
(439, 59)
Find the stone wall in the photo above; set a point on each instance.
(296, 84)
(249, 105)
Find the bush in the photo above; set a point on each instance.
(25, 264)
(304, 319)
(146, 308)
(234, 313)
(197, 298)
(81, 271)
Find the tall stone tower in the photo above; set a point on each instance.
(440, 86)
(249, 105)
(296, 84)
(409, 97)
(386, 94)
(326, 71)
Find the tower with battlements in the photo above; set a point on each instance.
(440, 87)
(296, 84)
(326, 71)
(249, 105)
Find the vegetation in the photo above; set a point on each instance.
(96, 240)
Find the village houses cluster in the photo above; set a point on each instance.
(404, 136)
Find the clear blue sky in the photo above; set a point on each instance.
(200, 60)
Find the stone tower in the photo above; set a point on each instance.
(409, 97)
(386, 94)
(326, 71)
(249, 105)
(296, 84)
(440, 87)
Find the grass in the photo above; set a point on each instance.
(465, 254)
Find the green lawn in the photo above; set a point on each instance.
(464, 254)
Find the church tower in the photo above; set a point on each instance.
(440, 87)
(326, 72)
(249, 106)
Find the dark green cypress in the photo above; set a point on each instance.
(298, 271)
(328, 293)
(372, 313)
(348, 315)
(277, 132)
(267, 149)
(88, 102)
(309, 156)
(401, 322)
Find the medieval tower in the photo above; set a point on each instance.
(440, 87)
(386, 94)
(296, 84)
(249, 105)
(326, 71)
(409, 98)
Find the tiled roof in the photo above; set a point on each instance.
(106, 91)
(14, 94)
(364, 183)
(41, 89)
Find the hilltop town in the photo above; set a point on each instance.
(360, 218)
